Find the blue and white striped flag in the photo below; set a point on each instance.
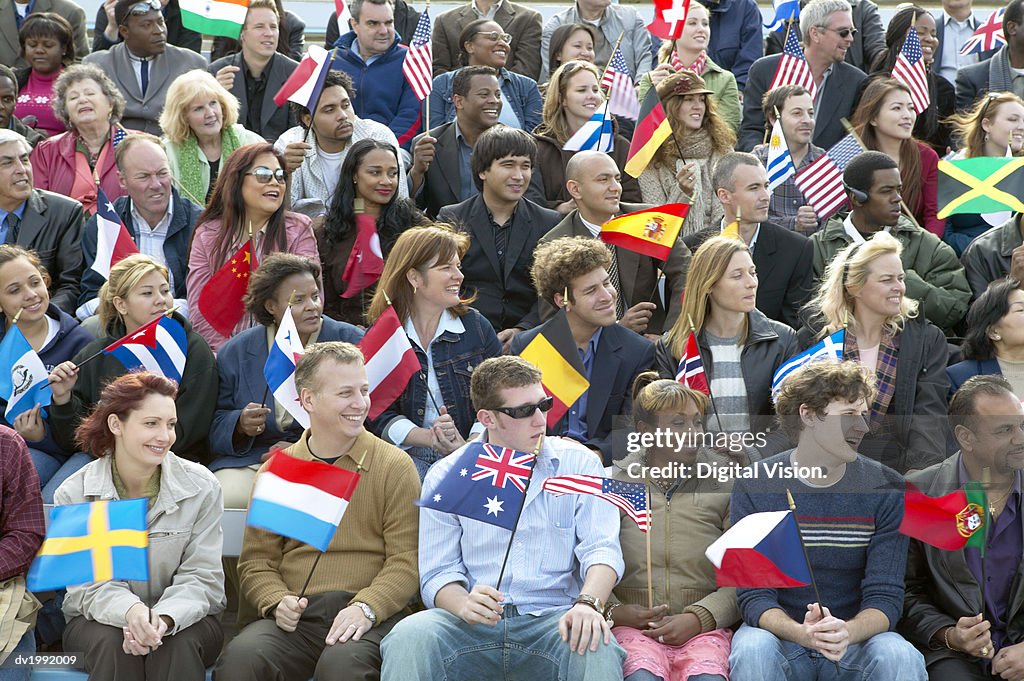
(829, 348)
(24, 380)
(595, 135)
(780, 162)
(784, 11)
(279, 369)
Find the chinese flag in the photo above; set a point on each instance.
(221, 299)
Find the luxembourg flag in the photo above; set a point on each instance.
(24, 380)
(595, 135)
(280, 368)
(113, 242)
(301, 500)
(159, 346)
(390, 361)
(307, 80)
(762, 550)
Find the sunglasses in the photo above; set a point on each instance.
(144, 7)
(494, 37)
(842, 32)
(526, 410)
(264, 174)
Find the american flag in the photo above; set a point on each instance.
(418, 65)
(622, 99)
(822, 181)
(793, 68)
(503, 466)
(631, 497)
(909, 70)
(691, 368)
(988, 36)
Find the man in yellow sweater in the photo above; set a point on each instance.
(361, 585)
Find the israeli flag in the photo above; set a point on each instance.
(24, 380)
(595, 135)
(780, 162)
(784, 10)
(829, 348)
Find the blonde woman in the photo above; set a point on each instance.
(864, 291)
(201, 129)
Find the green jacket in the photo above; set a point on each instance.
(934, 275)
(718, 80)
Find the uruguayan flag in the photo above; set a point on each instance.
(280, 368)
(780, 163)
(24, 380)
(829, 348)
(784, 9)
(595, 135)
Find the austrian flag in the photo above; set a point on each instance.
(390, 361)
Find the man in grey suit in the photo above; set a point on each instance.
(11, 18)
(143, 66)
(258, 69)
(519, 21)
(1001, 72)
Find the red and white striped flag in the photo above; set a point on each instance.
(822, 181)
(910, 70)
(631, 497)
(793, 68)
(418, 66)
(622, 99)
(390, 361)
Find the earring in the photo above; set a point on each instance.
(414, 289)
(997, 338)
(986, 137)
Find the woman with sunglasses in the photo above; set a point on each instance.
(248, 203)
(48, 45)
(485, 43)
(573, 97)
(422, 279)
(994, 126)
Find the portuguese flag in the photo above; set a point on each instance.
(652, 129)
(650, 232)
(950, 522)
(554, 352)
(214, 17)
(986, 184)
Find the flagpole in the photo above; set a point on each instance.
(650, 526)
(608, 65)
(186, 192)
(426, 100)
(903, 204)
(305, 586)
(807, 559)
(986, 482)
(711, 395)
(785, 39)
(17, 316)
(519, 513)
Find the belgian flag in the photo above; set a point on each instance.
(650, 232)
(554, 352)
(986, 184)
(652, 129)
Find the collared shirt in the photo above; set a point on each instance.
(467, 188)
(753, 239)
(1003, 553)
(955, 34)
(358, 49)
(489, 14)
(19, 212)
(787, 197)
(150, 238)
(595, 230)
(821, 88)
(576, 419)
(851, 229)
(254, 90)
(557, 540)
(507, 233)
(136, 63)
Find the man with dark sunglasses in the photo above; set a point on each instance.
(544, 619)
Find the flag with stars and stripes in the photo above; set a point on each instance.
(418, 65)
(910, 70)
(988, 36)
(793, 68)
(822, 181)
(630, 497)
(622, 99)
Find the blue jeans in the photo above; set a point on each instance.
(71, 466)
(46, 465)
(757, 655)
(424, 458)
(27, 644)
(435, 645)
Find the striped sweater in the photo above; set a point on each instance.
(851, 531)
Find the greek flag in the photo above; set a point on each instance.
(784, 10)
(780, 163)
(829, 348)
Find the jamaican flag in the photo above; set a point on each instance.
(986, 184)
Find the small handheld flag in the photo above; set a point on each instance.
(366, 260)
(762, 550)
(594, 135)
(829, 348)
(691, 368)
(113, 242)
(988, 36)
(390, 361)
(553, 351)
(652, 129)
(418, 65)
(650, 232)
(622, 99)
(669, 18)
(24, 380)
(910, 70)
(307, 80)
(793, 68)
(220, 301)
(785, 10)
(780, 162)
(93, 542)
(984, 184)
(950, 522)
(630, 497)
(160, 347)
(214, 17)
(279, 369)
(822, 181)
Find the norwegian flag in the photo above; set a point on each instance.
(988, 36)
(910, 70)
(822, 181)
(691, 368)
(631, 497)
(793, 68)
(622, 99)
(503, 466)
(418, 65)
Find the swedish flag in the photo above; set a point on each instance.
(93, 542)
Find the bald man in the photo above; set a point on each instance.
(594, 182)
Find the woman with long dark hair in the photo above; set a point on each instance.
(994, 341)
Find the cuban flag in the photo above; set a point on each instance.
(691, 367)
(279, 369)
(762, 550)
(595, 135)
(390, 361)
(780, 162)
(113, 242)
(24, 380)
(307, 80)
(785, 10)
(829, 348)
(159, 347)
(301, 500)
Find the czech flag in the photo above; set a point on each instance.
(762, 550)
(279, 369)
(159, 347)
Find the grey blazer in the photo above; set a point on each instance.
(10, 48)
(274, 120)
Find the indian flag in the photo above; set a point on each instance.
(214, 17)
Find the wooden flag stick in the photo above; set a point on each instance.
(519, 513)
(606, 66)
(693, 330)
(650, 525)
(17, 316)
(426, 100)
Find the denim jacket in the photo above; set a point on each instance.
(517, 91)
(455, 356)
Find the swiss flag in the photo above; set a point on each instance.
(669, 17)
(113, 242)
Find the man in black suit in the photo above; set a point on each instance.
(783, 258)
(965, 632)
(827, 30)
(571, 273)
(47, 223)
(256, 72)
(105, 35)
(504, 228)
(1000, 72)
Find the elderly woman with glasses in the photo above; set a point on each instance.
(485, 43)
(248, 204)
(48, 46)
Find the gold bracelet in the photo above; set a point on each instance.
(945, 638)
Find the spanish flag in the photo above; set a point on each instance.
(650, 232)
(652, 129)
(554, 352)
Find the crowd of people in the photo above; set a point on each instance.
(490, 233)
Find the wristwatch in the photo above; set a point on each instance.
(593, 601)
(367, 612)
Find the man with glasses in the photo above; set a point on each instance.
(868, 41)
(827, 32)
(143, 66)
(572, 273)
(105, 33)
(610, 21)
(545, 619)
(520, 22)
(1003, 71)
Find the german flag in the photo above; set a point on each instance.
(652, 129)
(553, 351)
(986, 184)
(650, 232)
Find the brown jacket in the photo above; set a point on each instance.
(519, 21)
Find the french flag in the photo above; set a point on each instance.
(301, 500)
(279, 369)
(113, 242)
(307, 80)
(762, 550)
(390, 361)
(159, 346)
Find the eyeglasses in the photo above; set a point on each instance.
(527, 410)
(144, 7)
(843, 33)
(494, 37)
(264, 174)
